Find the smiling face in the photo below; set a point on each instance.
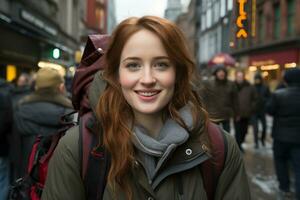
(146, 74)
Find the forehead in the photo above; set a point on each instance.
(143, 43)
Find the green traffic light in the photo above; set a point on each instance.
(56, 53)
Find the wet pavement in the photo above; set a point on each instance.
(259, 166)
(260, 169)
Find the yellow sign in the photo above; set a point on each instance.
(11, 72)
(242, 15)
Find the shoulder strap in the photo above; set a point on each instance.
(95, 159)
(212, 168)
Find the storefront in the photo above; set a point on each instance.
(273, 64)
(30, 41)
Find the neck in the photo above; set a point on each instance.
(151, 122)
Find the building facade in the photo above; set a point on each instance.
(212, 28)
(96, 17)
(37, 33)
(173, 10)
(187, 23)
(111, 16)
(272, 43)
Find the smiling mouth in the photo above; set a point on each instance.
(147, 93)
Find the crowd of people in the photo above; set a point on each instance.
(248, 104)
(28, 109)
(157, 116)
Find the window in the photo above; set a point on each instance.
(216, 11)
(229, 4)
(100, 18)
(204, 6)
(208, 17)
(223, 8)
(276, 21)
(291, 17)
(203, 22)
(261, 27)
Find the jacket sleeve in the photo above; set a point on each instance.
(64, 180)
(271, 105)
(234, 100)
(254, 99)
(233, 182)
(6, 111)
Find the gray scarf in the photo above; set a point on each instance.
(170, 137)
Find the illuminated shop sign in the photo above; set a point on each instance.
(242, 16)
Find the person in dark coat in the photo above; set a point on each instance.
(39, 113)
(284, 106)
(220, 97)
(21, 89)
(6, 121)
(247, 104)
(263, 93)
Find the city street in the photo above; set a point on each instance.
(259, 165)
(260, 168)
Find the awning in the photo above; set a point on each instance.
(277, 57)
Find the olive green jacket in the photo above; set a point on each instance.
(180, 173)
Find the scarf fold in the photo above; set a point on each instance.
(169, 138)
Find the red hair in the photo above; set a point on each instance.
(115, 113)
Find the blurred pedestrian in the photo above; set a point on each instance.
(39, 113)
(6, 121)
(22, 88)
(153, 124)
(284, 106)
(220, 97)
(247, 105)
(263, 94)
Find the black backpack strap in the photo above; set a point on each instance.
(95, 159)
(212, 168)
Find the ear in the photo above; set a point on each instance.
(62, 88)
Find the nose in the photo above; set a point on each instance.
(148, 77)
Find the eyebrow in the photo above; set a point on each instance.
(137, 58)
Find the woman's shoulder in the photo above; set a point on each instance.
(233, 152)
(69, 143)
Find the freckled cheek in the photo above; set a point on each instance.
(169, 81)
(127, 81)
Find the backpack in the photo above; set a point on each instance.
(94, 156)
(31, 185)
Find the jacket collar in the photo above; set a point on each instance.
(47, 95)
(186, 156)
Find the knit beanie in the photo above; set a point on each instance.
(219, 67)
(48, 78)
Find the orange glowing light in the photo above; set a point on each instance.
(241, 17)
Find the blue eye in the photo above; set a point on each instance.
(162, 65)
(132, 66)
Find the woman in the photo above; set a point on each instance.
(149, 115)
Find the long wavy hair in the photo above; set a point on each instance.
(116, 114)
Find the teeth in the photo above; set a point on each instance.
(147, 94)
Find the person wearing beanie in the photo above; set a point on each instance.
(220, 97)
(284, 106)
(39, 113)
(263, 94)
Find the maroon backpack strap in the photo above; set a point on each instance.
(95, 159)
(85, 141)
(212, 168)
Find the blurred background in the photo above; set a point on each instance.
(255, 35)
(260, 35)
